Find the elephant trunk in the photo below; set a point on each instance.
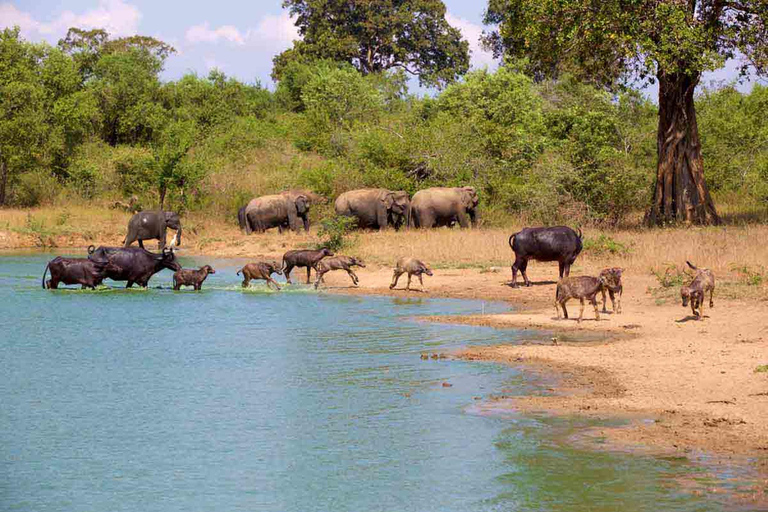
(178, 236)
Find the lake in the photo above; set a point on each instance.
(233, 400)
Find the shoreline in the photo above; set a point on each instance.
(692, 382)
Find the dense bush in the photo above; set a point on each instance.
(93, 119)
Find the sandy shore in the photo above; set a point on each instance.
(688, 385)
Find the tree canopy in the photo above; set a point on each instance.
(616, 41)
(376, 36)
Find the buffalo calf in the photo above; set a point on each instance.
(191, 277)
(582, 287)
(260, 270)
(80, 271)
(412, 267)
(338, 263)
(611, 278)
(303, 258)
(703, 282)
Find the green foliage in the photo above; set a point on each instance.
(92, 118)
(748, 275)
(378, 36)
(334, 232)
(763, 368)
(604, 244)
(35, 188)
(669, 275)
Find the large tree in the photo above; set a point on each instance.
(379, 35)
(612, 42)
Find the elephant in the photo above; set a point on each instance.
(312, 198)
(375, 208)
(149, 225)
(442, 206)
(277, 211)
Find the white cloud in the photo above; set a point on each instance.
(117, 17)
(272, 31)
(203, 34)
(471, 31)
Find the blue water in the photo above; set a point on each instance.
(232, 400)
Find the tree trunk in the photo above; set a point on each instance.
(681, 194)
(3, 181)
(162, 191)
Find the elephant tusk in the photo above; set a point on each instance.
(175, 239)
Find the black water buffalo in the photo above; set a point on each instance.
(133, 264)
(80, 271)
(559, 243)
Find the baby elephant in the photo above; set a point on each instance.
(260, 270)
(338, 263)
(582, 287)
(611, 278)
(190, 277)
(703, 282)
(413, 267)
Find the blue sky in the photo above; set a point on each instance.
(238, 37)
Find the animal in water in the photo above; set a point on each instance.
(444, 206)
(260, 270)
(153, 225)
(275, 211)
(338, 263)
(191, 277)
(412, 267)
(308, 258)
(133, 264)
(82, 271)
(559, 243)
(582, 288)
(703, 282)
(611, 278)
(375, 208)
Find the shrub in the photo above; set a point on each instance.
(670, 276)
(84, 178)
(604, 244)
(748, 275)
(35, 188)
(334, 232)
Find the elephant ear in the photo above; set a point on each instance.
(302, 203)
(388, 200)
(469, 196)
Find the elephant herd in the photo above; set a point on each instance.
(372, 208)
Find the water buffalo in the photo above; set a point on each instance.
(559, 243)
(133, 264)
(80, 271)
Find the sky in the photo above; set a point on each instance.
(238, 37)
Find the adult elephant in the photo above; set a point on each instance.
(149, 225)
(293, 194)
(312, 197)
(442, 206)
(277, 211)
(374, 208)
